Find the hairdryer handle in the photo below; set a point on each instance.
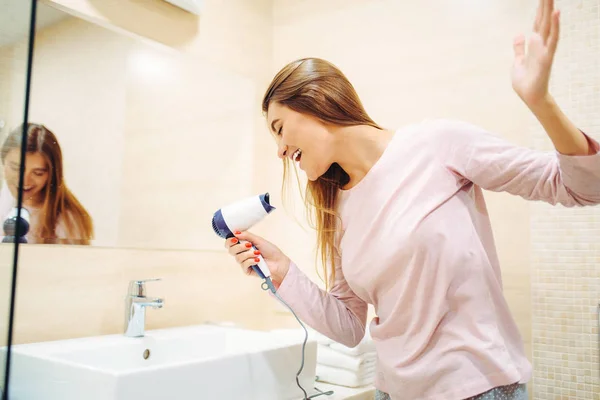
(261, 268)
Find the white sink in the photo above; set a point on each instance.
(197, 362)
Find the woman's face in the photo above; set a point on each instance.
(35, 179)
(301, 138)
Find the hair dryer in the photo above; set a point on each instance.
(10, 226)
(242, 215)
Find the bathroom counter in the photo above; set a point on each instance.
(346, 393)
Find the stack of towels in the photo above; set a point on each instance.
(345, 366)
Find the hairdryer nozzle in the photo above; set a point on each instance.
(220, 226)
(264, 201)
(215, 228)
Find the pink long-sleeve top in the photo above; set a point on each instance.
(416, 242)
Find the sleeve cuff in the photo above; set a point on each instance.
(583, 160)
(595, 146)
(286, 288)
(582, 172)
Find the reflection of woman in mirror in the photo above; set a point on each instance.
(56, 216)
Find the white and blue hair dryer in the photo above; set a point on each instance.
(242, 215)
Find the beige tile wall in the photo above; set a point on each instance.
(235, 33)
(565, 242)
(13, 62)
(139, 18)
(6, 275)
(6, 68)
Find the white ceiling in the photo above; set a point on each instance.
(15, 16)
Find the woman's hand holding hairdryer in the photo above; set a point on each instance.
(241, 248)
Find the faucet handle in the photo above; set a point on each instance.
(137, 287)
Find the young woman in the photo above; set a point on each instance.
(56, 216)
(402, 224)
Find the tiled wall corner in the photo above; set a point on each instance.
(566, 242)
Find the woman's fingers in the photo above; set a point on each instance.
(519, 48)
(548, 11)
(244, 254)
(554, 32)
(236, 246)
(230, 242)
(247, 265)
(538, 16)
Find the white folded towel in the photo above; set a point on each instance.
(299, 332)
(366, 345)
(320, 338)
(341, 377)
(326, 355)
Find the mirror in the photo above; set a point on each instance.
(114, 158)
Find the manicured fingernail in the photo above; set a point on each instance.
(256, 259)
(234, 240)
(237, 232)
(248, 245)
(256, 252)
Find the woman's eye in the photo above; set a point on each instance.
(38, 173)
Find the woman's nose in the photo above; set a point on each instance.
(282, 151)
(26, 180)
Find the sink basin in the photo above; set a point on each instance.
(196, 362)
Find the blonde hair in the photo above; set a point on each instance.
(318, 88)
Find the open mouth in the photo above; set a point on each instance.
(297, 155)
(27, 189)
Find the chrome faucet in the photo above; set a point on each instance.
(135, 307)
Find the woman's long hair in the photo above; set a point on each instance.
(58, 199)
(316, 87)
